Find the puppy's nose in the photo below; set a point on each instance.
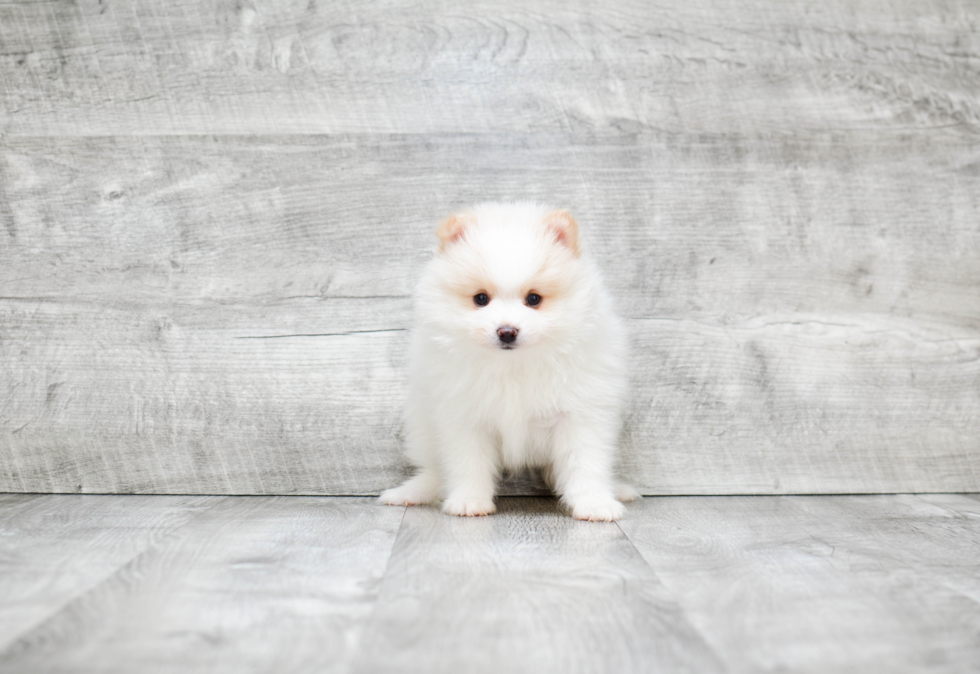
(507, 334)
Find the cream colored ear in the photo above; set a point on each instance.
(565, 229)
(453, 228)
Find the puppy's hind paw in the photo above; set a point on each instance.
(627, 492)
(597, 509)
(419, 490)
(468, 507)
(405, 495)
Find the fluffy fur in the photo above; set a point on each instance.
(482, 398)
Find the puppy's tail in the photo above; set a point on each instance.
(627, 492)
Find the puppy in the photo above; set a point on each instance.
(517, 360)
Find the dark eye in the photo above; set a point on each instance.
(533, 299)
(481, 299)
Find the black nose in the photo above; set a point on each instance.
(507, 334)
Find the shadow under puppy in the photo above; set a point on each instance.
(517, 360)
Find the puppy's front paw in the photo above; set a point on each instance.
(597, 509)
(627, 492)
(468, 507)
(405, 495)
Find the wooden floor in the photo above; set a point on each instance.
(333, 584)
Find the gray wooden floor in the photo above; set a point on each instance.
(683, 584)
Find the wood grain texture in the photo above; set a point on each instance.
(227, 315)
(212, 216)
(54, 550)
(822, 584)
(159, 405)
(12, 504)
(252, 585)
(829, 584)
(525, 590)
(105, 68)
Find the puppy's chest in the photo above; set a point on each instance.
(523, 426)
(531, 400)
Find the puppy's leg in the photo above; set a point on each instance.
(470, 467)
(624, 492)
(419, 490)
(582, 470)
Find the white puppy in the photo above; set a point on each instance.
(517, 360)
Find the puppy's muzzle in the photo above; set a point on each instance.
(507, 336)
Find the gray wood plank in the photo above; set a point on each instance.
(179, 400)
(802, 404)
(11, 505)
(525, 590)
(224, 315)
(54, 549)
(700, 66)
(253, 585)
(683, 226)
(822, 584)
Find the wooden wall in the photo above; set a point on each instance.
(212, 215)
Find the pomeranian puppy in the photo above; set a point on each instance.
(517, 361)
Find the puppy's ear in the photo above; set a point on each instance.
(453, 228)
(563, 227)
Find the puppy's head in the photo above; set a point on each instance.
(508, 277)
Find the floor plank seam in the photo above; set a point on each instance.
(365, 627)
(715, 653)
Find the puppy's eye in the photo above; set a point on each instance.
(533, 299)
(481, 299)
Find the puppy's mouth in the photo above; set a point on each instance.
(507, 347)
